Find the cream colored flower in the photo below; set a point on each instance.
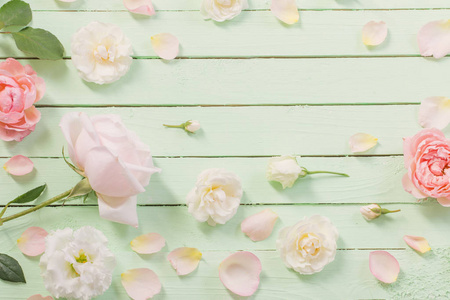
(308, 246)
(101, 52)
(285, 170)
(77, 265)
(215, 197)
(222, 10)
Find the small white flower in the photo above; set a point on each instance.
(285, 170)
(101, 52)
(222, 10)
(308, 246)
(371, 211)
(215, 197)
(192, 126)
(77, 265)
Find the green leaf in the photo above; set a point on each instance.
(82, 188)
(15, 12)
(27, 197)
(39, 42)
(10, 270)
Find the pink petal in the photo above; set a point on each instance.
(165, 45)
(39, 297)
(384, 266)
(434, 39)
(259, 226)
(185, 260)
(120, 210)
(143, 7)
(285, 10)
(374, 33)
(141, 284)
(32, 241)
(148, 243)
(410, 188)
(444, 201)
(435, 112)
(19, 165)
(361, 142)
(239, 273)
(418, 243)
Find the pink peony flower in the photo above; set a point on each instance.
(427, 158)
(20, 88)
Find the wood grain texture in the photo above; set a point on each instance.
(252, 82)
(252, 34)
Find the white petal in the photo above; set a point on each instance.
(239, 273)
(434, 39)
(434, 112)
(384, 266)
(185, 260)
(19, 165)
(259, 226)
(142, 7)
(418, 243)
(141, 284)
(165, 45)
(32, 241)
(285, 10)
(120, 210)
(361, 142)
(148, 243)
(374, 33)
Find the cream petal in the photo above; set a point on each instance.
(148, 243)
(434, 39)
(19, 165)
(39, 297)
(185, 260)
(142, 7)
(141, 284)
(434, 112)
(32, 241)
(285, 10)
(444, 201)
(418, 243)
(361, 142)
(259, 226)
(384, 266)
(239, 273)
(165, 45)
(374, 33)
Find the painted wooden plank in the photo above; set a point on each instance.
(372, 179)
(254, 4)
(252, 34)
(252, 81)
(241, 131)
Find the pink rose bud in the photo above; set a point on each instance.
(192, 126)
(371, 211)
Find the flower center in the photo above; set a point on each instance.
(103, 54)
(308, 244)
(82, 258)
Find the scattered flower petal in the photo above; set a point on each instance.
(142, 7)
(374, 33)
(435, 112)
(418, 243)
(384, 266)
(185, 260)
(148, 243)
(239, 273)
(434, 39)
(38, 296)
(141, 284)
(32, 241)
(165, 45)
(259, 226)
(19, 165)
(285, 10)
(361, 142)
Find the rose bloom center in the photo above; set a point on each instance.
(10, 99)
(308, 244)
(105, 53)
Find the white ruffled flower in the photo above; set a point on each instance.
(101, 52)
(215, 197)
(77, 265)
(308, 246)
(285, 170)
(222, 10)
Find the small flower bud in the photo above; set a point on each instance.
(371, 211)
(192, 126)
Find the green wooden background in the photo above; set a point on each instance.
(259, 88)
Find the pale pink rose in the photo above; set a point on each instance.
(115, 161)
(20, 88)
(427, 158)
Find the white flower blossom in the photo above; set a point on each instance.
(222, 10)
(285, 170)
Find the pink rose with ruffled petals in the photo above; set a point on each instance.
(116, 162)
(427, 158)
(20, 88)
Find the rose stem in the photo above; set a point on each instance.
(327, 172)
